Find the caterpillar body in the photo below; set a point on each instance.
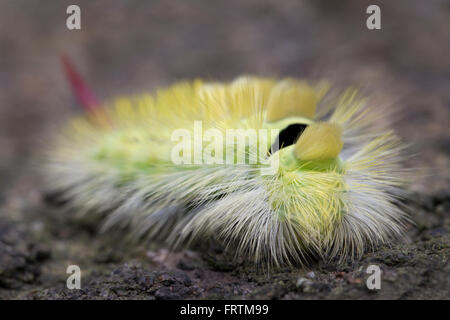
(334, 192)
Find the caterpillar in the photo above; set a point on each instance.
(326, 183)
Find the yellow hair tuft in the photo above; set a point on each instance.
(319, 141)
(292, 98)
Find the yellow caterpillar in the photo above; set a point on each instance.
(325, 181)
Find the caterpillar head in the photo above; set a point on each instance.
(308, 185)
(302, 142)
(317, 148)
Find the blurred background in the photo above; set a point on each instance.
(128, 47)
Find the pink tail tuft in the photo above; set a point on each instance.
(85, 96)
